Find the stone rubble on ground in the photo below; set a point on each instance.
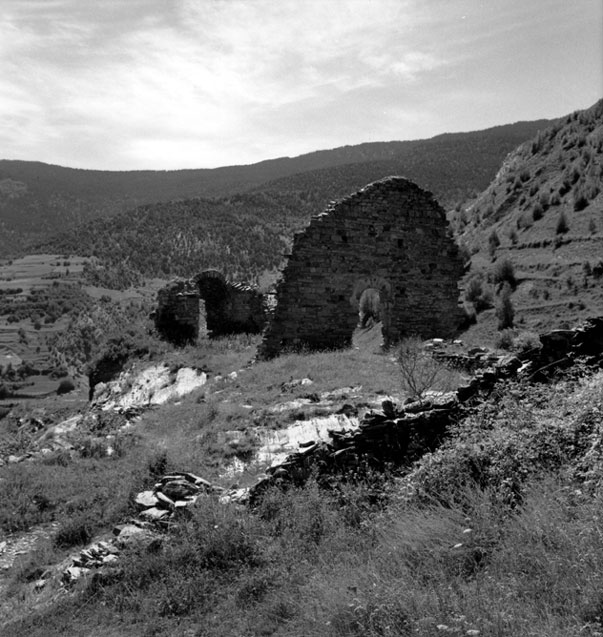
(173, 493)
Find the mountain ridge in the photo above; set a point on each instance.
(37, 199)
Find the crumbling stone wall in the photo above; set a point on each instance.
(208, 304)
(391, 236)
(230, 307)
(178, 314)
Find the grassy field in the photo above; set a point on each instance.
(497, 533)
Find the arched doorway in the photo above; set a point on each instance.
(371, 299)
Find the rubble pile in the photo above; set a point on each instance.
(400, 435)
(171, 495)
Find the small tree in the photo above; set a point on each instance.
(493, 243)
(562, 225)
(65, 386)
(504, 271)
(505, 312)
(592, 226)
(420, 370)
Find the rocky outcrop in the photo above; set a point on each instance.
(391, 237)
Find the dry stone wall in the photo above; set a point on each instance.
(399, 435)
(391, 236)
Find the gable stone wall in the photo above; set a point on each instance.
(390, 236)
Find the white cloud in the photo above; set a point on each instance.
(149, 83)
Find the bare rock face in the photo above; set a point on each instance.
(391, 237)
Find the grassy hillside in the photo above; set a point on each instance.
(544, 214)
(38, 199)
(496, 533)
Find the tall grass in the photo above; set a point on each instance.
(303, 566)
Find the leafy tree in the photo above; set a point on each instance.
(504, 272)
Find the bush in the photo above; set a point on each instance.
(504, 272)
(493, 243)
(505, 311)
(562, 225)
(504, 339)
(65, 386)
(580, 202)
(477, 294)
(75, 532)
(420, 371)
(526, 342)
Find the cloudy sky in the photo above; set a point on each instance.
(127, 84)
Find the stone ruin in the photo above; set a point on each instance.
(208, 305)
(398, 435)
(390, 237)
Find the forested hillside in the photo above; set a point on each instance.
(37, 200)
(243, 236)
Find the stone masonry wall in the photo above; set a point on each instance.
(178, 314)
(208, 304)
(391, 236)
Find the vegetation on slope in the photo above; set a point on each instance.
(242, 236)
(543, 214)
(245, 235)
(38, 200)
(497, 533)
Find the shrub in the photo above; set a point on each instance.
(505, 311)
(477, 294)
(74, 532)
(526, 342)
(598, 269)
(504, 339)
(592, 226)
(474, 288)
(493, 243)
(65, 386)
(562, 225)
(504, 271)
(420, 371)
(513, 236)
(580, 202)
